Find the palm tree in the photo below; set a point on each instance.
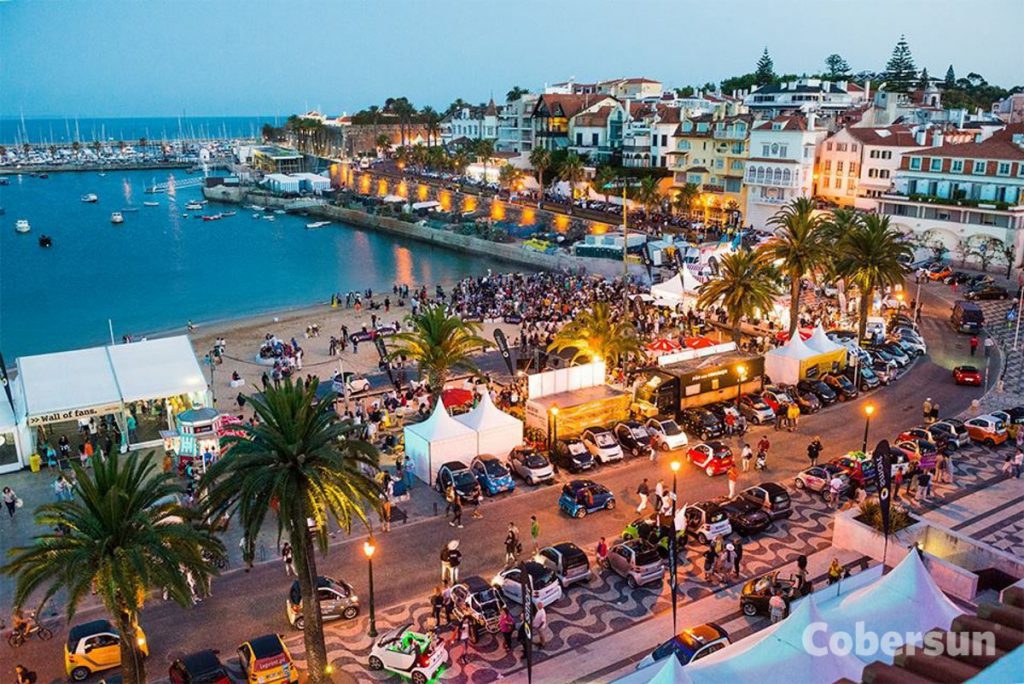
(797, 247)
(305, 461)
(123, 536)
(484, 149)
(647, 193)
(869, 257)
(573, 173)
(599, 332)
(603, 179)
(746, 283)
(515, 94)
(438, 343)
(540, 160)
(686, 196)
(383, 143)
(508, 175)
(460, 160)
(432, 122)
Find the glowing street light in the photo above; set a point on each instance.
(369, 547)
(672, 546)
(869, 410)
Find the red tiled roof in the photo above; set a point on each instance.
(668, 115)
(999, 146)
(599, 117)
(890, 136)
(570, 105)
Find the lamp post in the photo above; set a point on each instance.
(741, 371)
(869, 409)
(552, 427)
(672, 547)
(368, 548)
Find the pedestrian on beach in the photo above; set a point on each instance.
(734, 476)
(534, 532)
(763, 445)
(814, 451)
(643, 491)
(288, 558)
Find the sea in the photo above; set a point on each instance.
(165, 266)
(65, 130)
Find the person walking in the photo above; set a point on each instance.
(23, 675)
(1018, 463)
(974, 344)
(385, 512)
(461, 636)
(449, 498)
(710, 557)
(436, 605)
(926, 409)
(780, 417)
(454, 560)
(989, 344)
(746, 455)
(534, 533)
(540, 625)
(814, 451)
(924, 485)
(11, 500)
(456, 520)
(777, 607)
(734, 476)
(512, 545)
(288, 558)
(793, 412)
(737, 556)
(602, 552)
(763, 445)
(506, 625)
(643, 491)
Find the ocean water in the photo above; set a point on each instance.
(67, 130)
(159, 269)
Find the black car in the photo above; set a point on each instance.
(772, 497)
(958, 277)
(572, 454)
(819, 389)
(865, 377)
(634, 438)
(201, 667)
(806, 400)
(701, 422)
(842, 386)
(757, 592)
(461, 477)
(986, 292)
(746, 517)
(477, 600)
(569, 562)
(898, 353)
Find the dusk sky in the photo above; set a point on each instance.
(162, 57)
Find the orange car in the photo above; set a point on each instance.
(987, 429)
(939, 271)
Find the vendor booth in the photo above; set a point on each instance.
(197, 438)
(436, 440)
(832, 356)
(496, 432)
(678, 289)
(564, 402)
(797, 360)
(698, 382)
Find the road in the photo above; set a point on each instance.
(406, 563)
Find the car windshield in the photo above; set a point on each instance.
(542, 578)
(495, 468)
(820, 386)
(716, 517)
(647, 556)
(639, 432)
(669, 427)
(463, 478)
(707, 418)
(722, 452)
(604, 439)
(577, 448)
(781, 497)
(486, 596)
(535, 460)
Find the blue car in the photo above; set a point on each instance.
(494, 477)
(580, 497)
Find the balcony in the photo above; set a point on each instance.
(989, 205)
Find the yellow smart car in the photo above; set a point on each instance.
(266, 660)
(93, 647)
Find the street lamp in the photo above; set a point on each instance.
(869, 410)
(672, 546)
(368, 548)
(741, 371)
(553, 432)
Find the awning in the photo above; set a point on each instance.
(156, 369)
(456, 397)
(68, 385)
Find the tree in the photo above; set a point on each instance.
(457, 103)
(900, 72)
(404, 110)
(923, 82)
(798, 248)
(685, 197)
(599, 332)
(540, 160)
(1006, 255)
(746, 284)
(573, 172)
(869, 258)
(484, 149)
(515, 94)
(647, 193)
(685, 91)
(603, 179)
(432, 122)
(950, 77)
(123, 535)
(438, 343)
(837, 66)
(508, 175)
(383, 143)
(764, 74)
(985, 249)
(304, 462)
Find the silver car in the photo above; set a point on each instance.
(637, 560)
(531, 465)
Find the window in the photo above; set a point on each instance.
(594, 138)
(915, 163)
(872, 173)
(979, 167)
(853, 168)
(883, 173)
(840, 147)
(873, 154)
(839, 167)
(828, 146)
(766, 150)
(839, 183)
(778, 177)
(957, 166)
(751, 174)
(853, 147)
(828, 166)
(1003, 169)
(782, 150)
(936, 164)
(775, 149)
(761, 171)
(664, 140)
(786, 177)
(579, 139)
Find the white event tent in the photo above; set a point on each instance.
(436, 440)
(156, 369)
(676, 289)
(68, 385)
(783, 364)
(497, 432)
(819, 342)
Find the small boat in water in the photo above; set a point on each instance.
(256, 207)
(117, 217)
(90, 198)
(229, 213)
(212, 217)
(129, 209)
(279, 211)
(44, 175)
(269, 218)
(151, 204)
(45, 241)
(4, 181)
(318, 224)
(194, 206)
(102, 174)
(256, 216)
(22, 226)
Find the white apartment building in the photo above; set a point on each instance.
(473, 123)
(649, 135)
(857, 165)
(781, 164)
(515, 125)
(631, 88)
(805, 94)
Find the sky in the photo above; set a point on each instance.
(101, 58)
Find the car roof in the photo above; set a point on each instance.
(597, 428)
(88, 629)
(201, 661)
(476, 584)
(455, 465)
(773, 488)
(566, 548)
(717, 445)
(266, 646)
(576, 485)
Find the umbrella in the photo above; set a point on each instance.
(698, 343)
(663, 346)
(456, 397)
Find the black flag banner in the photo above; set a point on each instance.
(7, 383)
(382, 349)
(502, 341)
(883, 478)
(645, 255)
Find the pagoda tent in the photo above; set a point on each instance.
(437, 440)
(669, 292)
(497, 432)
(690, 283)
(785, 364)
(832, 356)
(664, 671)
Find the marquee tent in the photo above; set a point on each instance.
(156, 369)
(830, 355)
(676, 289)
(784, 364)
(496, 432)
(665, 671)
(436, 440)
(68, 385)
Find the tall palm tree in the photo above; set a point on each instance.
(383, 143)
(647, 193)
(460, 160)
(508, 175)
(599, 332)
(123, 537)
(484, 149)
(515, 94)
(685, 198)
(432, 123)
(603, 178)
(304, 460)
(797, 247)
(540, 160)
(869, 257)
(573, 173)
(438, 343)
(746, 283)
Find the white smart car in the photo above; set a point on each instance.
(666, 433)
(410, 654)
(602, 445)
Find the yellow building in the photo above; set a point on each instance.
(711, 151)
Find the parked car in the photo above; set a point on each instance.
(658, 532)
(776, 396)
(542, 582)
(666, 433)
(458, 475)
(842, 386)
(701, 422)
(600, 442)
(986, 292)
(745, 517)
(771, 497)
(1013, 419)
(819, 389)
(409, 654)
(756, 410)
(93, 647)
(806, 400)
(939, 272)
(637, 560)
(493, 475)
(337, 599)
(634, 438)
(818, 478)
(477, 600)
(953, 429)
(568, 561)
(929, 434)
(893, 352)
(859, 467)
(266, 660)
(531, 465)
(714, 458)
(706, 521)
(863, 375)
(689, 645)
(967, 375)
(987, 430)
(573, 455)
(757, 592)
(922, 452)
(580, 497)
(967, 317)
(912, 345)
(201, 667)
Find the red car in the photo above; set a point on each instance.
(967, 375)
(860, 470)
(714, 457)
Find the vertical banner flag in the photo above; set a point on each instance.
(378, 341)
(7, 383)
(883, 478)
(645, 255)
(502, 341)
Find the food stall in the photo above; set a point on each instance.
(197, 438)
(566, 401)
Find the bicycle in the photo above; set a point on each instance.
(18, 637)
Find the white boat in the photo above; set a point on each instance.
(151, 204)
(269, 218)
(194, 206)
(117, 217)
(318, 224)
(279, 211)
(229, 213)
(256, 207)
(22, 226)
(256, 216)
(90, 198)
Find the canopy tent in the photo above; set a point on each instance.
(690, 282)
(698, 342)
(819, 342)
(679, 287)
(436, 440)
(831, 356)
(783, 364)
(68, 385)
(663, 346)
(664, 671)
(392, 199)
(156, 369)
(496, 432)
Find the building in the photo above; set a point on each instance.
(1010, 110)
(856, 165)
(515, 125)
(956, 193)
(274, 159)
(710, 153)
(781, 164)
(631, 88)
(596, 132)
(552, 112)
(805, 94)
(473, 123)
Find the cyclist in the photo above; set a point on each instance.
(22, 623)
